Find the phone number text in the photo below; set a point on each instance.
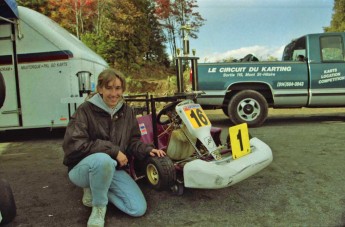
(290, 84)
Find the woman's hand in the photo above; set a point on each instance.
(121, 159)
(156, 152)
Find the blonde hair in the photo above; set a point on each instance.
(108, 75)
(105, 77)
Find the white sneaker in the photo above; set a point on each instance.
(87, 197)
(96, 218)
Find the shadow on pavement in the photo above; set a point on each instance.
(221, 121)
(284, 120)
(31, 134)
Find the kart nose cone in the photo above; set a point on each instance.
(213, 175)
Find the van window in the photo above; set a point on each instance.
(295, 49)
(332, 48)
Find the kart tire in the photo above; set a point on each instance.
(249, 107)
(178, 188)
(2, 90)
(7, 205)
(160, 172)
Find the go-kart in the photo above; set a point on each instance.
(195, 156)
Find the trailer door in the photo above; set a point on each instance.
(9, 113)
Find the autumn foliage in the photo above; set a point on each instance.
(127, 33)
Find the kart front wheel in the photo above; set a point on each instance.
(160, 172)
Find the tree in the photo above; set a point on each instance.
(338, 17)
(129, 35)
(75, 15)
(271, 58)
(126, 33)
(174, 14)
(124, 18)
(37, 5)
(229, 59)
(156, 50)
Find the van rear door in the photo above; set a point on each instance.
(9, 113)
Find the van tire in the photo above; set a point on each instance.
(2, 90)
(7, 204)
(249, 107)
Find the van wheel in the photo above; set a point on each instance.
(248, 107)
(160, 172)
(7, 204)
(2, 90)
(225, 111)
(225, 107)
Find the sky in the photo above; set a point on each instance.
(235, 28)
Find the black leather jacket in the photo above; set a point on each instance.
(91, 130)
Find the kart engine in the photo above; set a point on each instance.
(182, 144)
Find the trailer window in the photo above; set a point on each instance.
(332, 48)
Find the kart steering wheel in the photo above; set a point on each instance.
(167, 108)
(2, 90)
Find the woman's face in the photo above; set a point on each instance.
(112, 92)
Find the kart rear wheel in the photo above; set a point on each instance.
(7, 204)
(160, 172)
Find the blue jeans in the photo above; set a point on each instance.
(98, 172)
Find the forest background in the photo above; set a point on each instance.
(135, 36)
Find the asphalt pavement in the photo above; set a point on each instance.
(303, 186)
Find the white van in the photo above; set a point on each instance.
(47, 71)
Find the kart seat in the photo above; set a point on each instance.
(179, 146)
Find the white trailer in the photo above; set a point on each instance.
(47, 71)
